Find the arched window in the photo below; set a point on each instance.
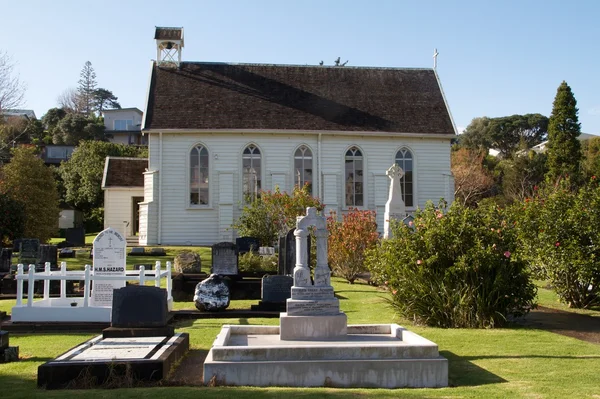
(303, 163)
(354, 177)
(251, 173)
(404, 159)
(199, 175)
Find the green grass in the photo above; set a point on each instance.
(514, 362)
(548, 298)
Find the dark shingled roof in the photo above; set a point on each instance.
(164, 33)
(256, 96)
(124, 172)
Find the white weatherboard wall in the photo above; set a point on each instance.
(118, 207)
(180, 223)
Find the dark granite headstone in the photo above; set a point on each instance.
(212, 294)
(3, 339)
(224, 259)
(137, 306)
(158, 252)
(5, 259)
(76, 236)
(16, 245)
(66, 253)
(247, 244)
(48, 253)
(139, 265)
(287, 253)
(276, 288)
(29, 250)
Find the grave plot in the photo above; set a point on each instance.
(139, 345)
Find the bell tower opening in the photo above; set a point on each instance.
(169, 42)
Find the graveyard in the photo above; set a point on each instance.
(517, 361)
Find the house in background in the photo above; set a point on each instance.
(123, 185)
(124, 126)
(219, 133)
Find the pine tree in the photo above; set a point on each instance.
(29, 181)
(564, 148)
(87, 88)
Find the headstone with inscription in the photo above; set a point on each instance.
(49, 253)
(247, 244)
(314, 300)
(224, 259)
(109, 260)
(276, 288)
(29, 251)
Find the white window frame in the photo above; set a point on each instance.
(241, 169)
(188, 177)
(364, 205)
(312, 160)
(122, 120)
(414, 176)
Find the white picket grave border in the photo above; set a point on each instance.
(75, 309)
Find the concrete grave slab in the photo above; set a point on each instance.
(145, 359)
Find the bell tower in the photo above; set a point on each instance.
(169, 42)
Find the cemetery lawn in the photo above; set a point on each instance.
(515, 362)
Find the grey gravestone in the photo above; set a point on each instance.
(287, 254)
(137, 306)
(224, 259)
(137, 251)
(247, 244)
(212, 294)
(29, 250)
(76, 236)
(48, 253)
(276, 288)
(5, 259)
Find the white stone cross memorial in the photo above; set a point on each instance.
(109, 260)
(394, 207)
(313, 311)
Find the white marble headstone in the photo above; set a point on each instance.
(109, 260)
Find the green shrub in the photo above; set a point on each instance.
(251, 262)
(274, 213)
(560, 237)
(455, 269)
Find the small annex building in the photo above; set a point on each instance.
(218, 133)
(123, 186)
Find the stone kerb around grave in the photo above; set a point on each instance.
(109, 260)
(313, 311)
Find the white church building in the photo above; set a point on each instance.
(218, 133)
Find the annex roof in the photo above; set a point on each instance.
(200, 95)
(124, 172)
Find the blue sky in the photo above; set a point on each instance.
(497, 58)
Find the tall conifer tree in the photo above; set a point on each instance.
(86, 89)
(564, 149)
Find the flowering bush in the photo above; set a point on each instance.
(274, 213)
(455, 269)
(560, 237)
(348, 241)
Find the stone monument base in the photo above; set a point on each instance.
(313, 327)
(379, 355)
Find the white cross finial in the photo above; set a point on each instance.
(435, 55)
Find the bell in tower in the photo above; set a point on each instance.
(169, 42)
